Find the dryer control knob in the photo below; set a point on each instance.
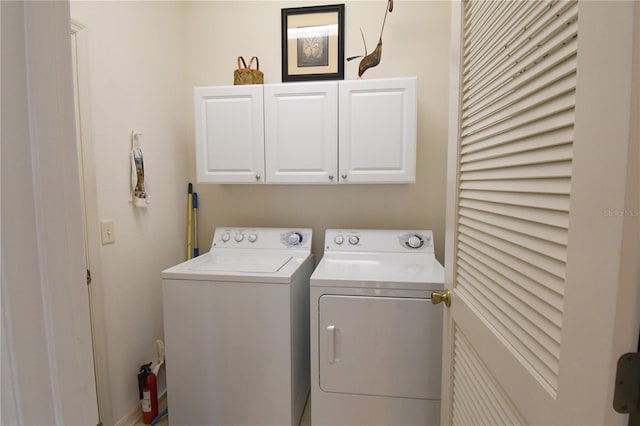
(354, 240)
(239, 237)
(252, 238)
(226, 237)
(415, 241)
(295, 239)
(339, 239)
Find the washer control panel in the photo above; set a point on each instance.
(262, 238)
(416, 240)
(293, 238)
(379, 240)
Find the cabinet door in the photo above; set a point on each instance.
(378, 120)
(229, 134)
(301, 132)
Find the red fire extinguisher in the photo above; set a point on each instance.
(148, 388)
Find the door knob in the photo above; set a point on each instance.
(441, 297)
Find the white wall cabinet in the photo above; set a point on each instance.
(344, 132)
(301, 132)
(378, 122)
(229, 132)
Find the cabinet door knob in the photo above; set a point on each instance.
(344, 176)
(330, 177)
(257, 177)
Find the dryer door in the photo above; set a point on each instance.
(384, 346)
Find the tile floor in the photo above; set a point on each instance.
(305, 421)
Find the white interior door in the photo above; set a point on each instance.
(45, 317)
(543, 217)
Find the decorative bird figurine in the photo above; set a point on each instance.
(373, 58)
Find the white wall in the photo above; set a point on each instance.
(415, 43)
(136, 73)
(144, 59)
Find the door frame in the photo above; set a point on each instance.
(451, 215)
(86, 165)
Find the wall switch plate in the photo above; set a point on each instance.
(107, 233)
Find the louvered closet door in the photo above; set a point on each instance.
(539, 142)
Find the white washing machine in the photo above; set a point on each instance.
(376, 338)
(236, 329)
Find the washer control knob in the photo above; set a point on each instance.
(354, 240)
(295, 239)
(239, 236)
(415, 241)
(226, 237)
(252, 238)
(339, 239)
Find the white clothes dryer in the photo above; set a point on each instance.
(236, 329)
(376, 338)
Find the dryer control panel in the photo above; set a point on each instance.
(379, 240)
(262, 238)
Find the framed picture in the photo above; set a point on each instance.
(313, 43)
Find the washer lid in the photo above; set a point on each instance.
(266, 266)
(245, 262)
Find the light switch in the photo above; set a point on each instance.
(106, 231)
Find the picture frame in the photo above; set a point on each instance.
(313, 43)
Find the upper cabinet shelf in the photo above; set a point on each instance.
(361, 131)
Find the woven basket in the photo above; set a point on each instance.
(245, 74)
